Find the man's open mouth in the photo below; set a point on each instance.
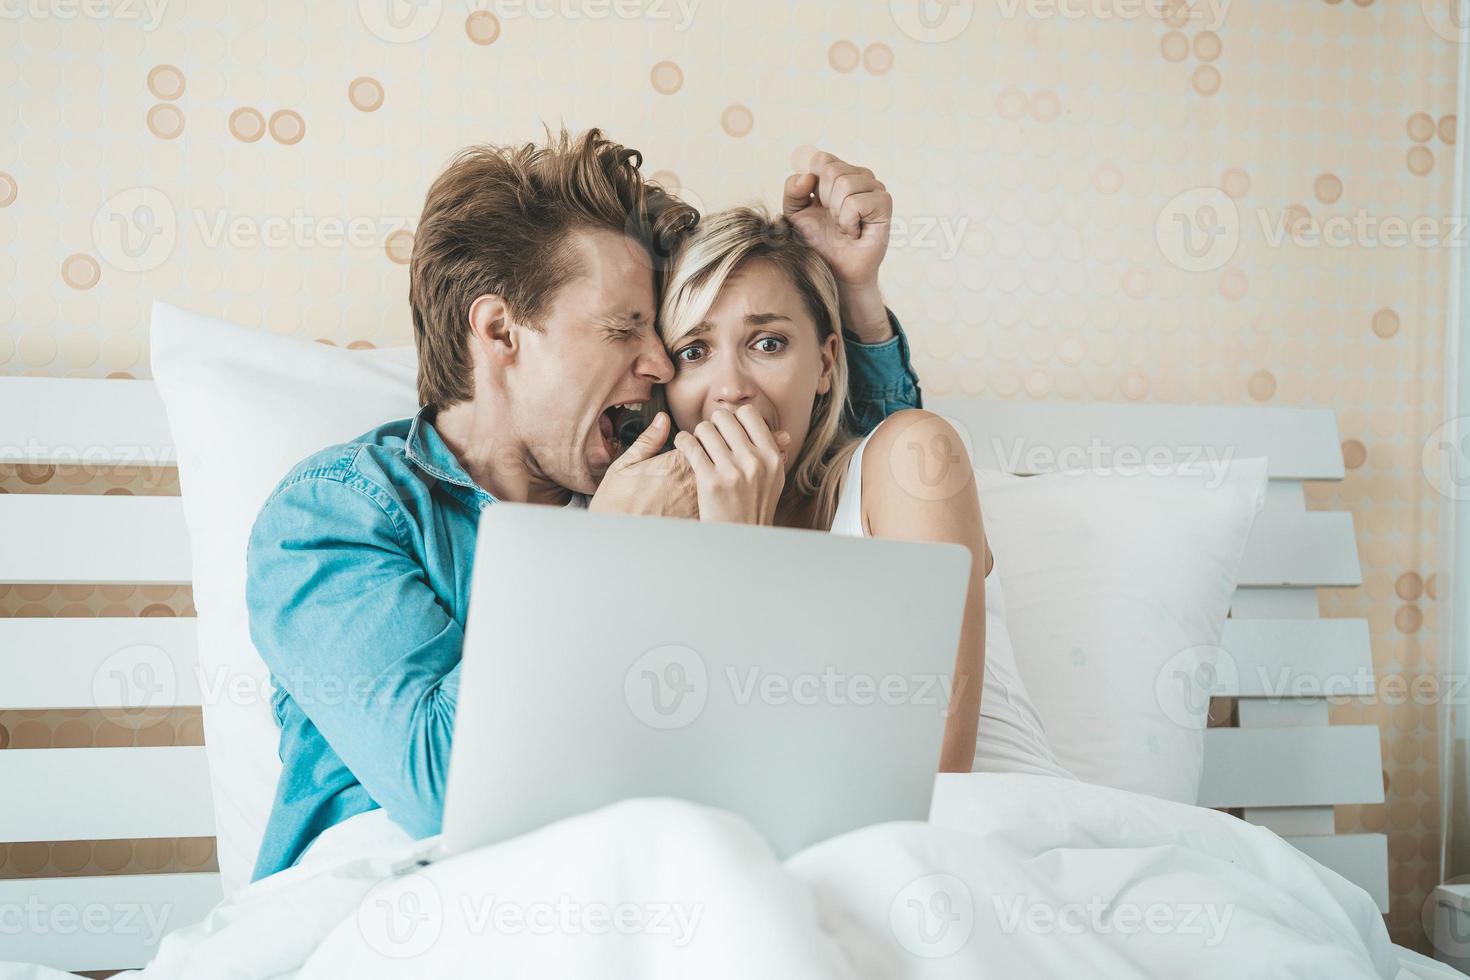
(619, 425)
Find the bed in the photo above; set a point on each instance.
(1277, 764)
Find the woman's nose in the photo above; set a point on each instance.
(732, 387)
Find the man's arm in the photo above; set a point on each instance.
(844, 212)
(345, 619)
(880, 379)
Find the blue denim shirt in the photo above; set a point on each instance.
(358, 581)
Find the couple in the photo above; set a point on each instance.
(558, 299)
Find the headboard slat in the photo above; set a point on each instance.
(1277, 767)
(1360, 858)
(127, 662)
(134, 793)
(1316, 548)
(83, 420)
(136, 910)
(1299, 443)
(58, 538)
(1296, 658)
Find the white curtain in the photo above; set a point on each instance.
(1447, 465)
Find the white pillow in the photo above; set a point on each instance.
(1117, 584)
(245, 406)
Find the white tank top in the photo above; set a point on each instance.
(1011, 737)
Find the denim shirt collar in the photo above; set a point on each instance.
(427, 451)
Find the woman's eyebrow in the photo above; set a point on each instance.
(751, 320)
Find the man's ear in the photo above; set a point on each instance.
(829, 362)
(492, 331)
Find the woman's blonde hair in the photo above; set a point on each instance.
(725, 242)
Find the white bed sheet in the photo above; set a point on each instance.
(1010, 877)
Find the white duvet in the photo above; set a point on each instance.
(1014, 876)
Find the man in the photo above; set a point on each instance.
(533, 288)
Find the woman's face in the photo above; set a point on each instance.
(757, 346)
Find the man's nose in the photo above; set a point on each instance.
(653, 362)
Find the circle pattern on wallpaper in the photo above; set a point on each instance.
(1206, 80)
(9, 190)
(932, 23)
(1198, 230)
(667, 77)
(737, 120)
(136, 230)
(80, 272)
(1235, 182)
(365, 94)
(1421, 160)
(287, 127)
(843, 56)
(1420, 127)
(1207, 46)
(1386, 322)
(166, 82)
(399, 246)
(165, 121)
(482, 27)
(1328, 188)
(247, 125)
(878, 58)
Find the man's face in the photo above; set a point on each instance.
(597, 350)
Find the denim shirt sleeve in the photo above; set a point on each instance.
(881, 380)
(343, 617)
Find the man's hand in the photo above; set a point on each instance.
(845, 213)
(739, 466)
(644, 481)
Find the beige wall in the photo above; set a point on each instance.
(1037, 159)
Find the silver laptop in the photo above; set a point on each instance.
(798, 679)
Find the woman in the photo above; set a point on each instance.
(750, 317)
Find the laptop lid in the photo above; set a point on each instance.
(797, 678)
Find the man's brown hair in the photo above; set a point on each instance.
(498, 220)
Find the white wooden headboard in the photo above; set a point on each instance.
(1284, 765)
(95, 793)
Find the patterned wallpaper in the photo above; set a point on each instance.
(1235, 202)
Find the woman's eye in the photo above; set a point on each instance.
(689, 354)
(770, 345)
